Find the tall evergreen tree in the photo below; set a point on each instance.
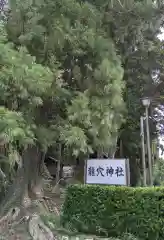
(77, 101)
(134, 27)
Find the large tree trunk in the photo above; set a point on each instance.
(28, 182)
(32, 180)
(18, 205)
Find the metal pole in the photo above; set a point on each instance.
(148, 147)
(143, 150)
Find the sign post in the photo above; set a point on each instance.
(107, 172)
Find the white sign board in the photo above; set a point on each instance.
(106, 171)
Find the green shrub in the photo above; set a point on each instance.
(113, 211)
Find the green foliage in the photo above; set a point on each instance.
(54, 223)
(24, 85)
(14, 128)
(86, 105)
(134, 26)
(112, 211)
(90, 47)
(158, 172)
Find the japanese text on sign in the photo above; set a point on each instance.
(106, 171)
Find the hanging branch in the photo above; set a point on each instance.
(120, 4)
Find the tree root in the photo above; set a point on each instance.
(10, 216)
(50, 205)
(7, 220)
(38, 230)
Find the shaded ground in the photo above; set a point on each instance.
(18, 228)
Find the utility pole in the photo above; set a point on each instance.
(143, 150)
(148, 146)
(146, 104)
